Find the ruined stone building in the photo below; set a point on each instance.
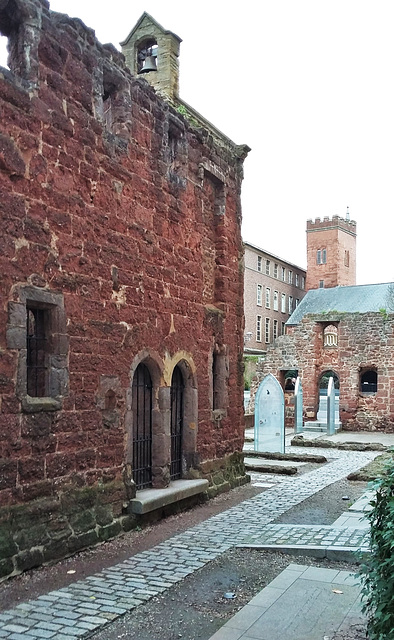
(121, 262)
(339, 330)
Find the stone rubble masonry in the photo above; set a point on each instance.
(365, 341)
(122, 219)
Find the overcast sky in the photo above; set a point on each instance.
(308, 85)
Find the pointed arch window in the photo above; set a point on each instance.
(330, 336)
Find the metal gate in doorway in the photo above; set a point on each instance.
(177, 388)
(142, 427)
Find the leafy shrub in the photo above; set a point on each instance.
(377, 569)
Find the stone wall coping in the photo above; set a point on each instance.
(148, 500)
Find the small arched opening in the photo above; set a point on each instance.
(368, 381)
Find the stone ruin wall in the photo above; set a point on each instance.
(125, 221)
(365, 341)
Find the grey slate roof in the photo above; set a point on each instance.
(355, 299)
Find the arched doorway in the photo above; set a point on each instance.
(142, 427)
(323, 386)
(177, 413)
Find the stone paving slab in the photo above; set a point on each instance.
(86, 605)
(316, 601)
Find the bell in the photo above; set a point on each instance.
(149, 65)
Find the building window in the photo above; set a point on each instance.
(259, 263)
(37, 329)
(259, 295)
(368, 381)
(267, 330)
(258, 329)
(290, 304)
(37, 352)
(290, 277)
(283, 274)
(283, 328)
(330, 336)
(283, 304)
(276, 300)
(321, 284)
(347, 258)
(302, 282)
(321, 256)
(267, 267)
(297, 280)
(268, 298)
(275, 329)
(275, 270)
(297, 302)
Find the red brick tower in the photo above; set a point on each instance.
(331, 252)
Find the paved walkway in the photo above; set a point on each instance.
(317, 603)
(88, 605)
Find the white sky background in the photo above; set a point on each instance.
(308, 85)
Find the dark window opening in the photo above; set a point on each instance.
(289, 379)
(325, 379)
(369, 381)
(142, 427)
(37, 352)
(177, 389)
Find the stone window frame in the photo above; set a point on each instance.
(275, 329)
(258, 328)
(276, 300)
(366, 371)
(259, 295)
(176, 151)
(321, 256)
(267, 330)
(267, 267)
(276, 270)
(283, 303)
(290, 277)
(30, 297)
(330, 336)
(259, 264)
(283, 274)
(268, 298)
(290, 301)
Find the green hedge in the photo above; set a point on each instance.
(377, 569)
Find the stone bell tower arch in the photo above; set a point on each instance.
(149, 38)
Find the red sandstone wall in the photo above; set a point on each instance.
(364, 341)
(147, 265)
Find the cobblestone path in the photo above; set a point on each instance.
(87, 605)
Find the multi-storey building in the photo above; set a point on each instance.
(273, 289)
